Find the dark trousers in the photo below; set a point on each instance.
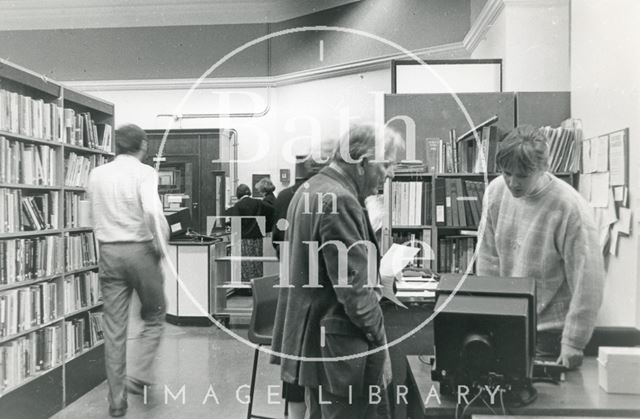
(548, 344)
(324, 405)
(125, 267)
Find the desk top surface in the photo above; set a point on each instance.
(579, 395)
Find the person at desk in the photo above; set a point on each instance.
(251, 239)
(340, 315)
(536, 225)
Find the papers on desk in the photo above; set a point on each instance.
(415, 287)
(396, 258)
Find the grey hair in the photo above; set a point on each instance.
(360, 142)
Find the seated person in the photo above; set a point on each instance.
(536, 225)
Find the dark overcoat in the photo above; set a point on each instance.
(331, 308)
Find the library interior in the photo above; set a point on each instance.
(319, 209)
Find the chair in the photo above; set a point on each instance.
(265, 300)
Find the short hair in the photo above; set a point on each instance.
(129, 139)
(265, 185)
(242, 190)
(523, 150)
(360, 140)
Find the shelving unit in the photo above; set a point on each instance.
(50, 122)
(434, 116)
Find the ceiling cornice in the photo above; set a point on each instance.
(454, 50)
(84, 14)
(482, 24)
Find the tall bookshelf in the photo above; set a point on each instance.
(51, 351)
(441, 206)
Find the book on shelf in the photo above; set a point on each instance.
(23, 115)
(463, 155)
(419, 239)
(22, 212)
(564, 153)
(81, 130)
(80, 291)
(29, 164)
(409, 167)
(80, 250)
(455, 253)
(29, 355)
(76, 342)
(458, 202)
(22, 309)
(95, 327)
(77, 168)
(29, 258)
(76, 210)
(410, 203)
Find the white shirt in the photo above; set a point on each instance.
(121, 193)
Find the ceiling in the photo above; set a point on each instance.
(79, 14)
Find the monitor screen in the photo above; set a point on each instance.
(485, 333)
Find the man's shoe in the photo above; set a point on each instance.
(116, 413)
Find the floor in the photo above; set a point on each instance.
(201, 371)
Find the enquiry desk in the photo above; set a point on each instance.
(195, 264)
(578, 395)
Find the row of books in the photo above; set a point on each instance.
(564, 152)
(76, 210)
(421, 240)
(81, 290)
(77, 169)
(455, 253)
(463, 155)
(29, 355)
(458, 202)
(80, 250)
(29, 164)
(82, 131)
(30, 258)
(410, 203)
(23, 115)
(82, 333)
(25, 308)
(20, 212)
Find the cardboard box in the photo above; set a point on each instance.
(618, 369)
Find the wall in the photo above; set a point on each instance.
(136, 53)
(532, 38)
(413, 24)
(188, 51)
(298, 113)
(605, 95)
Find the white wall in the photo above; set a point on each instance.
(605, 95)
(298, 113)
(533, 41)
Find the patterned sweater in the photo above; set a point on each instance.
(549, 236)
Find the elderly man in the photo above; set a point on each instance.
(331, 308)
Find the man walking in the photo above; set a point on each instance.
(130, 229)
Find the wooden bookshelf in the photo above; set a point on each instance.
(44, 116)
